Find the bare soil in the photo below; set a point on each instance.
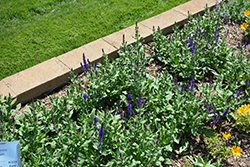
(234, 38)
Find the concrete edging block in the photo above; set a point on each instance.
(38, 79)
(116, 39)
(194, 7)
(92, 51)
(166, 21)
(5, 90)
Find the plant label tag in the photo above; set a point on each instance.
(10, 154)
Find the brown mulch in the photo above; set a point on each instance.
(234, 38)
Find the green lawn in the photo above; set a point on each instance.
(35, 31)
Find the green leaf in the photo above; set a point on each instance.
(168, 148)
(205, 131)
(184, 146)
(167, 161)
(194, 131)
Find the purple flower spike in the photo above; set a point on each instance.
(190, 41)
(245, 45)
(248, 82)
(196, 32)
(76, 158)
(192, 85)
(13, 120)
(216, 120)
(121, 156)
(53, 122)
(215, 32)
(95, 119)
(130, 108)
(85, 96)
(238, 93)
(122, 114)
(175, 82)
(119, 104)
(65, 104)
(158, 138)
(210, 107)
(210, 81)
(226, 112)
(205, 34)
(217, 39)
(214, 111)
(204, 102)
(137, 65)
(85, 66)
(101, 134)
(140, 100)
(95, 66)
(193, 48)
(129, 97)
(182, 89)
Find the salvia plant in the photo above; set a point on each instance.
(233, 9)
(122, 115)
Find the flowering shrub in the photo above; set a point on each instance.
(217, 147)
(242, 118)
(247, 23)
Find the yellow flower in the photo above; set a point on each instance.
(227, 136)
(214, 127)
(244, 25)
(244, 109)
(247, 13)
(236, 150)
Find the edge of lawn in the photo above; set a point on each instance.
(55, 72)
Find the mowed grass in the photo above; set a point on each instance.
(35, 31)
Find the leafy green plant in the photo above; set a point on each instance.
(199, 162)
(233, 9)
(242, 119)
(123, 116)
(247, 23)
(194, 51)
(217, 147)
(186, 162)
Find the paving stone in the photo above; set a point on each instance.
(166, 20)
(194, 7)
(116, 39)
(38, 79)
(5, 90)
(92, 51)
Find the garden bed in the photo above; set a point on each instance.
(64, 97)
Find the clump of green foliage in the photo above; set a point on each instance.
(217, 147)
(242, 119)
(233, 9)
(126, 117)
(200, 162)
